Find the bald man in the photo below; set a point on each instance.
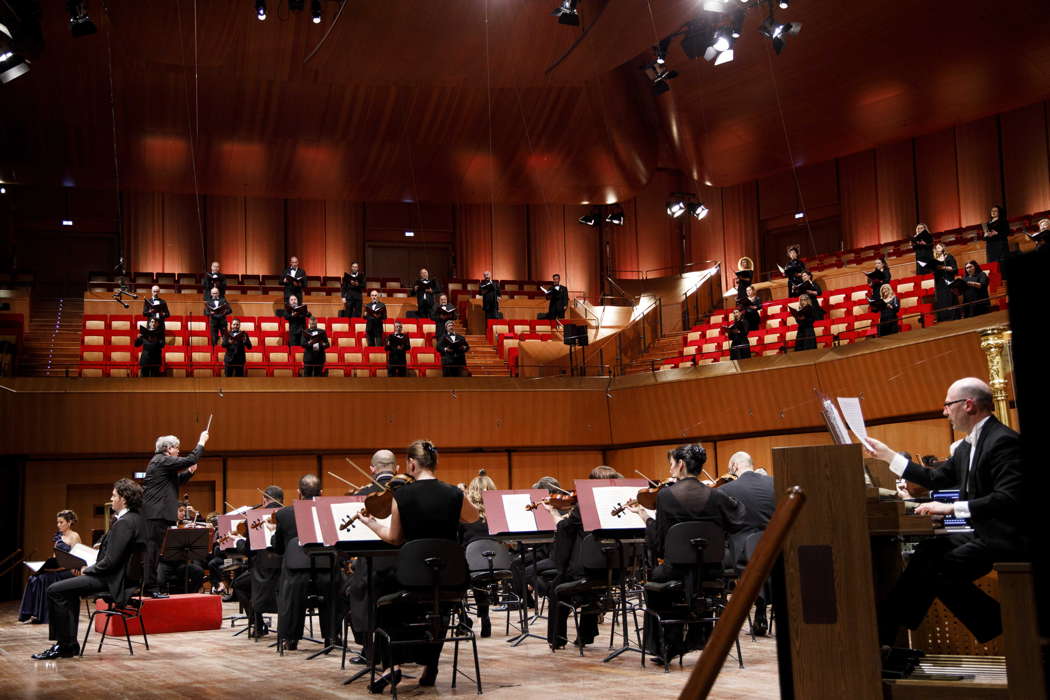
(988, 471)
(383, 467)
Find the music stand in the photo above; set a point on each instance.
(227, 523)
(185, 545)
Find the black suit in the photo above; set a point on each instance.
(375, 314)
(489, 298)
(217, 310)
(256, 588)
(106, 576)
(296, 581)
(755, 492)
(568, 537)
(160, 505)
(294, 283)
(945, 567)
(212, 280)
(384, 578)
(557, 301)
(351, 288)
(397, 347)
(314, 359)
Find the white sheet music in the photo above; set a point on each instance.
(238, 511)
(834, 419)
(781, 268)
(854, 416)
(236, 538)
(82, 551)
(316, 536)
(606, 498)
(921, 263)
(519, 519)
(33, 566)
(359, 531)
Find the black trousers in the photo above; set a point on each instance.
(353, 307)
(314, 369)
(558, 615)
(374, 333)
(292, 603)
(397, 370)
(155, 571)
(216, 325)
(233, 370)
(63, 605)
(152, 370)
(945, 567)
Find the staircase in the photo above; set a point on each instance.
(483, 360)
(666, 346)
(52, 342)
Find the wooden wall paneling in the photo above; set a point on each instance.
(474, 240)
(921, 437)
(761, 448)
(305, 236)
(510, 255)
(337, 465)
(659, 246)
(144, 229)
(895, 172)
(937, 181)
(1025, 159)
(528, 467)
(246, 474)
(183, 229)
(777, 195)
(625, 243)
(707, 237)
(410, 216)
(980, 182)
(462, 468)
(264, 236)
(819, 184)
(859, 199)
(581, 270)
(227, 233)
(650, 460)
(344, 237)
(740, 217)
(547, 251)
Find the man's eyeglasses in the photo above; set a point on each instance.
(949, 403)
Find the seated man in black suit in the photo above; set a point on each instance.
(755, 492)
(987, 469)
(127, 535)
(256, 588)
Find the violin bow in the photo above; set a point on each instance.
(355, 487)
(266, 495)
(645, 477)
(370, 478)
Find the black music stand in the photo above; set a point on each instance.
(186, 545)
(618, 536)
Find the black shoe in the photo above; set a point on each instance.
(430, 675)
(381, 683)
(486, 627)
(261, 630)
(291, 645)
(58, 651)
(761, 625)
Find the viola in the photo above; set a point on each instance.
(240, 531)
(558, 501)
(646, 498)
(271, 519)
(379, 504)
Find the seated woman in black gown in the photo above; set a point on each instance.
(888, 306)
(745, 275)
(752, 309)
(34, 599)
(878, 277)
(739, 344)
(975, 293)
(478, 530)
(427, 508)
(922, 244)
(805, 316)
(944, 273)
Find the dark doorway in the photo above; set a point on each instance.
(404, 261)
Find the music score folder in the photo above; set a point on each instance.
(505, 511)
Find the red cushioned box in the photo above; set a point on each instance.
(179, 613)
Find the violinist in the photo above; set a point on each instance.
(256, 588)
(568, 538)
(755, 492)
(479, 529)
(686, 500)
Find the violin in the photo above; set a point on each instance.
(379, 504)
(240, 531)
(646, 498)
(271, 519)
(558, 501)
(723, 480)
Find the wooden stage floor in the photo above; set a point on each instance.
(215, 664)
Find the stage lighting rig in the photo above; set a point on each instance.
(80, 23)
(260, 10)
(567, 13)
(778, 33)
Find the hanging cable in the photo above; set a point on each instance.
(121, 242)
(492, 157)
(192, 121)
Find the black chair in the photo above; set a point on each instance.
(742, 549)
(696, 551)
(129, 611)
(489, 563)
(591, 594)
(435, 578)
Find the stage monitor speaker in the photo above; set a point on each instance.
(575, 334)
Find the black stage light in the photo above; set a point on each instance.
(79, 22)
(260, 10)
(567, 13)
(778, 33)
(315, 11)
(589, 219)
(676, 207)
(12, 66)
(615, 217)
(698, 210)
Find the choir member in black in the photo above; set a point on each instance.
(375, 314)
(997, 234)
(151, 340)
(975, 293)
(106, 575)
(945, 270)
(878, 277)
(794, 269)
(214, 279)
(566, 555)
(236, 342)
(352, 289)
(427, 508)
(294, 280)
(686, 500)
(217, 309)
(477, 530)
(1041, 234)
(739, 344)
(165, 473)
(256, 588)
(397, 346)
(442, 314)
(557, 299)
(806, 285)
(490, 294)
(752, 309)
(745, 275)
(426, 288)
(34, 601)
(755, 492)
(296, 313)
(315, 340)
(922, 244)
(156, 308)
(805, 316)
(453, 349)
(888, 306)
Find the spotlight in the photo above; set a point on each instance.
(676, 207)
(260, 10)
(3, 190)
(79, 22)
(567, 13)
(778, 33)
(590, 219)
(615, 217)
(785, 4)
(698, 210)
(67, 222)
(800, 214)
(315, 11)
(715, 5)
(721, 49)
(658, 76)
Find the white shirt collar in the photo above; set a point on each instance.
(120, 514)
(975, 432)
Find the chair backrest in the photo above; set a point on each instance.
(431, 563)
(694, 542)
(595, 554)
(488, 555)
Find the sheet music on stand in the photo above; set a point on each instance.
(334, 514)
(505, 511)
(833, 420)
(260, 527)
(854, 416)
(227, 525)
(78, 556)
(597, 499)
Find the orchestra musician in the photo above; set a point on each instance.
(453, 349)
(888, 306)
(375, 314)
(745, 276)
(944, 271)
(879, 276)
(106, 575)
(997, 234)
(490, 295)
(294, 280)
(751, 306)
(557, 299)
(975, 293)
(739, 343)
(685, 500)
(805, 316)
(217, 309)
(34, 602)
(165, 473)
(256, 588)
(352, 289)
(151, 340)
(922, 244)
(442, 314)
(315, 341)
(214, 279)
(296, 313)
(155, 308)
(988, 470)
(425, 288)
(397, 347)
(426, 508)
(477, 530)
(236, 343)
(794, 268)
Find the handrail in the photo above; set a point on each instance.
(623, 293)
(644, 274)
(692, 293)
